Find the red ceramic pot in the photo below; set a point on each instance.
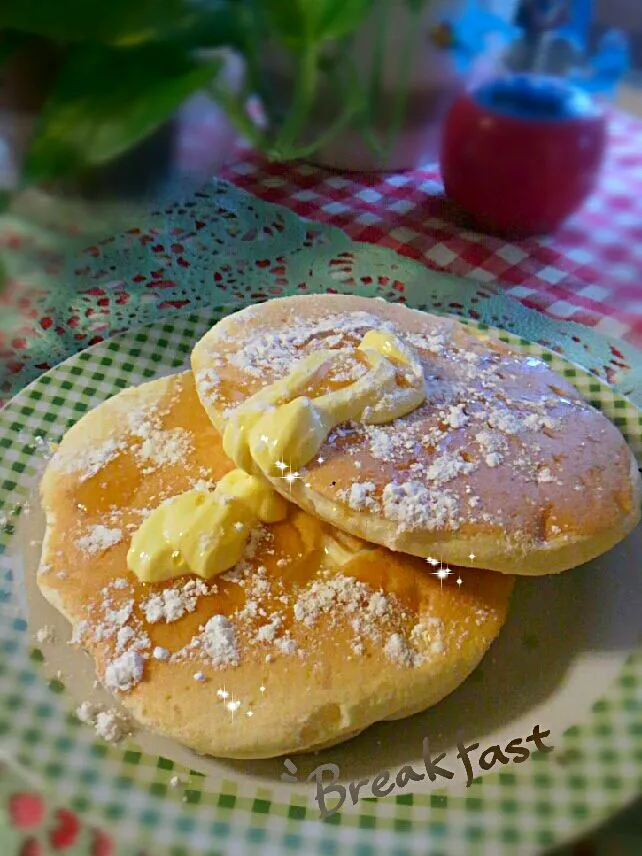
(522, 153)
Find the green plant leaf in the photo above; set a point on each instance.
(121, 22)
(302, 22)
(107, 99)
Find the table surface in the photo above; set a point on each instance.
(589, 272)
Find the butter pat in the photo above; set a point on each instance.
(277, 431)
(203, 533)
(280, 428)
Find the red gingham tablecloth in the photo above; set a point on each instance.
(589, 272)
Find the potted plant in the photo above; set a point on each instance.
(323, 71)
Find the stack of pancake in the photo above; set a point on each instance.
(389, 576)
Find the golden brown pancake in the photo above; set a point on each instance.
(293, 649)
(505, 466)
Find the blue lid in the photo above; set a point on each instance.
(529, 96)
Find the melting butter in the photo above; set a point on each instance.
(203, 533)
(340, 550)
(279, 429)
(336, 548)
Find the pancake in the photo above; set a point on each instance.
(311, 638)
(505, 466)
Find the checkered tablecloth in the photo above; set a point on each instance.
(589, 272)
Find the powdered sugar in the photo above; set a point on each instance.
(341, 596)
(86, 463)
(118, 616)
(158, 447)
(512, 422)
(160, 653)
(79, 631)
(99, 538)
(399, 652)
(456, 416)
(285, 645)
(167, 606)
(446, 467)
(123, 673)
(385, 443)
(171, 604)
(111, 725)
(360, 496)
(208, 382)
(491, 441)
(414, 506)
(87, 712)
(433, 343)
(274, 353)
(124, 637)
(219, 641)
(45, 635)
(267, 632)
(428, 635)
(505, 421)
(545, 475)
(163, 448)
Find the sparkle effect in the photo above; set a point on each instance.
(230, 703)
(289, 476)
(442, 573)
(233, 705)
